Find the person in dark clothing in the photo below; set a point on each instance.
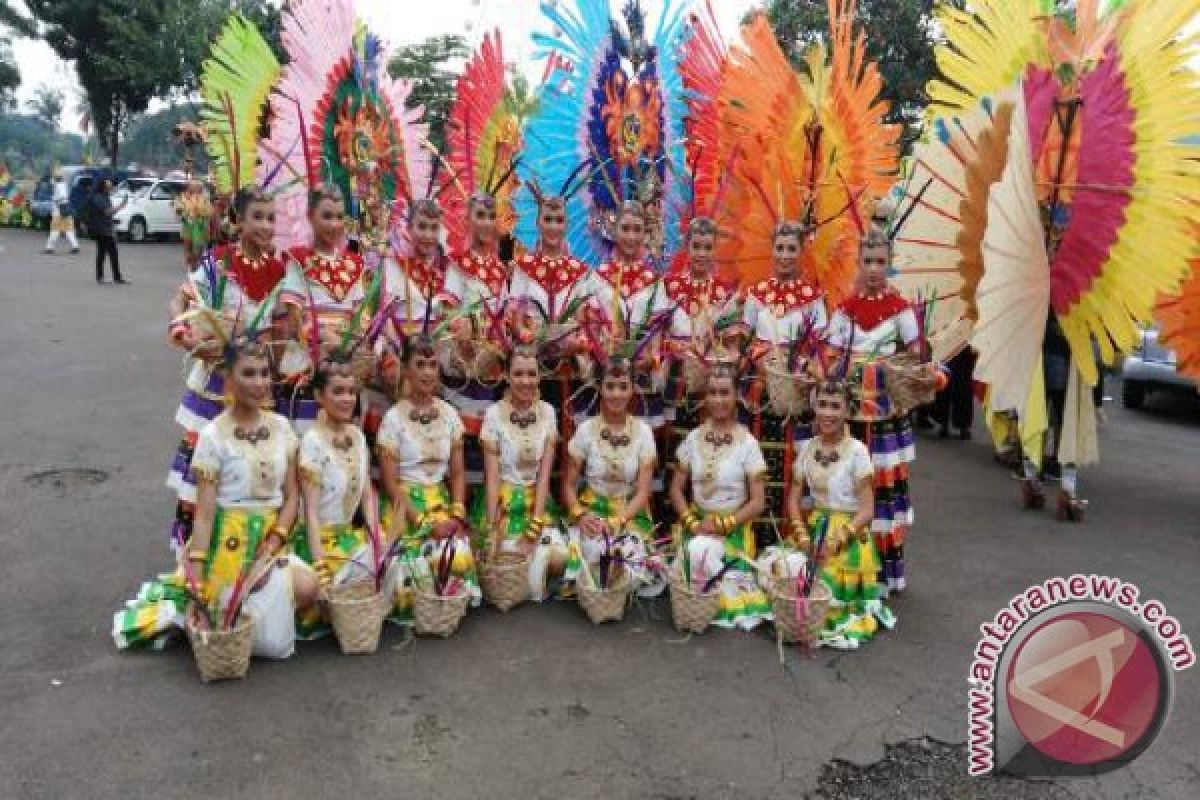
(954, 406)
(104, 230)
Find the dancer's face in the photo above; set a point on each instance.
(552, 226)
(251, 381)
(426, 234)
(873, 263)
(616, 390)
(523, 379)
(328, 221)
(483, 224)
(720, 399)
(257, 225)
(702, 249)
(631, 237)
(338, 398)
(787, 254)
(423, 375)
(831, 413)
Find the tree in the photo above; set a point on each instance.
(47, 105)
(426, 64)
(10, 76)
(900, 35)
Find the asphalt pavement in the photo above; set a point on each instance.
(537, 703)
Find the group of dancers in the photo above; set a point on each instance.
(449, 403)
(650, 322)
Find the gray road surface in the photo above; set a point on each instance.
(534, 704)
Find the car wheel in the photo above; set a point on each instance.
(1133, 394)
(137, 230)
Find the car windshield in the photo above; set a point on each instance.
(135, 185)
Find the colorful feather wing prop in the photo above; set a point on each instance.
(987, 48)
(235, 86)
(1013, 297)
(1138, 182)
(939, 245)
(1179, 318)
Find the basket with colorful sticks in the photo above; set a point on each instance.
(504, 576)
(603, 589)
(788, 386)
(910, 380)
(357, 608)
(222, 637)
(441, 598)
(800, 602)
(695, 597)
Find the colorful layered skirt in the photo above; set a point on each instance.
(856, 610)
(729, 563)
(159, 609)
(634, 545)
(422, 554)
(349, 550)
(553, 547)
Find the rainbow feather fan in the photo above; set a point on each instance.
(235, 85)
(339, 118)
(816, 147)
(614, 99)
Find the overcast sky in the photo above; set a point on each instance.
(397, 21)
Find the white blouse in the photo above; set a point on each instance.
(834, 485)
(520, 450)
(884, 339)
(250, 468)
(422, 451)
(339, 466)
(296, 284)
(720, 474)
(612, 471)
(470, 291)
(767, 327)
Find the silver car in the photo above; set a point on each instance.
(1151, 367)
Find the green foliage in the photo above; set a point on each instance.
(29, 150)
(900, 39)
(149, 143)
(47, 105)
(430, 65)
(129, 52)
(10, 76)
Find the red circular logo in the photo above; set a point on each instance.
(1084, 688)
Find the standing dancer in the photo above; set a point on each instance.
(871, 325)
(784, 316)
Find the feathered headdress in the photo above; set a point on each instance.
(613, 97)
(235, 85)
(814, 147)
(483, 142)
(339, 118)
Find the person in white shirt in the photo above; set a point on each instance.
(62, 220)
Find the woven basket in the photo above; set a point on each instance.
(787, 392)
(785, 604)
(908, 382)
(438, 615)
(505, 580)
(692, 611)
(357, 611)
(222, 655)
(605, 605)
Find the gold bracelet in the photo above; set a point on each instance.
(576, 512)
(730, 525)
(458, 510)
(197, 555)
